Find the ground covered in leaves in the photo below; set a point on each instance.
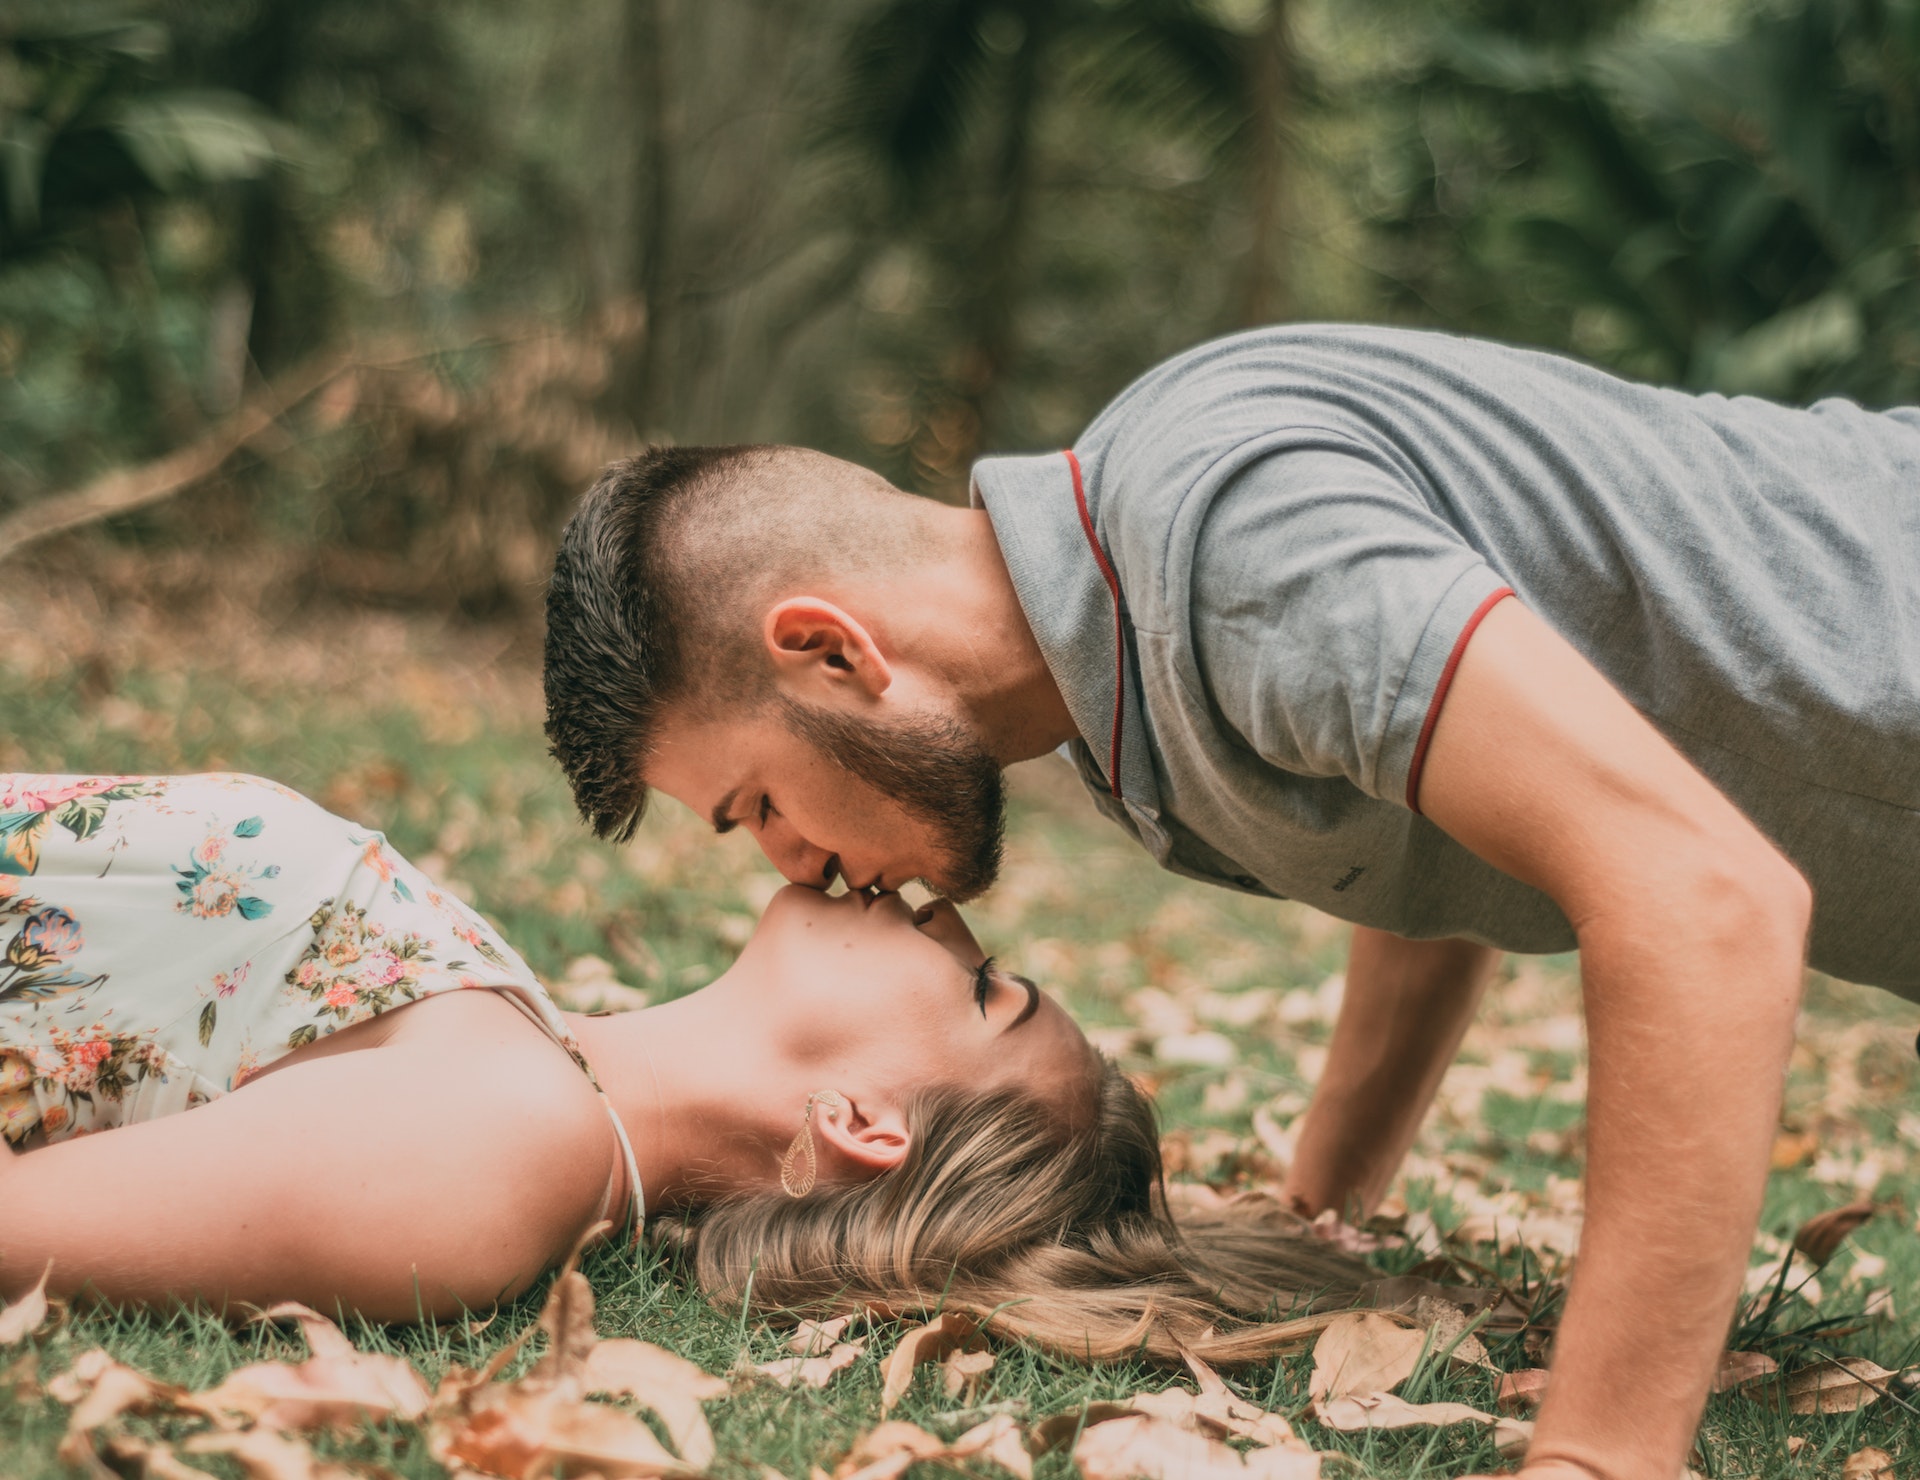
(1222, 1003)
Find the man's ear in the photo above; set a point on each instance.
(818, 646)
(871, 1137)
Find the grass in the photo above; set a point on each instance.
(431, 733)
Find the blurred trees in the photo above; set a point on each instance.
(904, 230)
(1737, 210)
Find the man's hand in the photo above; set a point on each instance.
(1406, 1007)
(1692, 933)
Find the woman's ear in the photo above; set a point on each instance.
(871, 1138)
(817, 645)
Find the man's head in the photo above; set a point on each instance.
(730, 624)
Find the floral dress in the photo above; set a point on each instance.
(163, 938)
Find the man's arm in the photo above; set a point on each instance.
(1406, 1007)
(1692, 932)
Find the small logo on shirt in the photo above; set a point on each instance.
(1346, 880)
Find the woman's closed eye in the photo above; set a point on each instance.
(982, 984)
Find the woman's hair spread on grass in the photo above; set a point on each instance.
(1057, 1234)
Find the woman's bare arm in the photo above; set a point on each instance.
(435, 1172)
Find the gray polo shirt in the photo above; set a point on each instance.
(1300, 526)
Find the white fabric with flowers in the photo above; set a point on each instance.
(162, 938)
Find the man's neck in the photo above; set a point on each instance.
(955, 615)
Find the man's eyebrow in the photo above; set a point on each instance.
(721, 816)
(1033, 1000)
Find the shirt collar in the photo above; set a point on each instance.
(1069, 606)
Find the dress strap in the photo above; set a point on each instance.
(541, 1010)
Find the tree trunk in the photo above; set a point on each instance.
(649, 227)
(1270, 92)
(992, 316)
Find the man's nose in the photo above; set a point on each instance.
(798, 860)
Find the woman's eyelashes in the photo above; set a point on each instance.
(982, 984)
(766, 809)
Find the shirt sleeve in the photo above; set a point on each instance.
(1329, 607)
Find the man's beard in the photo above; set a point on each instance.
(932, 767)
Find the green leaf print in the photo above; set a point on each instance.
(249, 828)
(253, 907)
(83, 815)
(20, 841)
(209, 1015)
(301, 1036)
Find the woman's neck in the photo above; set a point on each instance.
(693, 1092)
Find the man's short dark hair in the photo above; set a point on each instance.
(618, 621)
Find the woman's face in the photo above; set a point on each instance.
(866, 982)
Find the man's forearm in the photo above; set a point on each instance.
(1690, 1013)
(1407, 1005)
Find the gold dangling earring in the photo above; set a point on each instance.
(801, 1164)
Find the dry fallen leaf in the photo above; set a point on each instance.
(516, 1431)
(543, 1424)
(997, 1440)
(337, 1387)
(887, 1450)
(1867, 1464)
(99, 1390)
(1063, 1428)
(263, 1454)
(813, 1338)
(1820, 1236)
(962, 1371)
(1218, 1407)
(670, 1385)
(1355, 1414)
(1737, 1369)
(1447, 1325)
(28, 1314)
(1836, 1387)
(1142, 1447)
(567, 1318)
(126, 1455)
(1511, 1436)
(1522, 1391)
(814, 1372)
(1363, 1352)
(945, 1333)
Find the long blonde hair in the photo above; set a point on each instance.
(1057, 1235)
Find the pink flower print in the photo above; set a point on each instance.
(83, 1063)
(208, 853)
(25, 797)
(49, 934)
(341, 951)
(469, 934)
(226, 983)
(381, 969)
(213, 896)
(341, 994)
(308, 974)
(377, 860)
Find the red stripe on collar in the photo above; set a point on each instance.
(1119, 623)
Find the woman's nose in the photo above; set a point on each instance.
(798, 860)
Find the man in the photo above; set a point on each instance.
(1478, 648)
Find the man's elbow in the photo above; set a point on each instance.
(1750, 896)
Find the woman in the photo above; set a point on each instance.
(388, 1111)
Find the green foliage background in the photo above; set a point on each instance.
(907, 231)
